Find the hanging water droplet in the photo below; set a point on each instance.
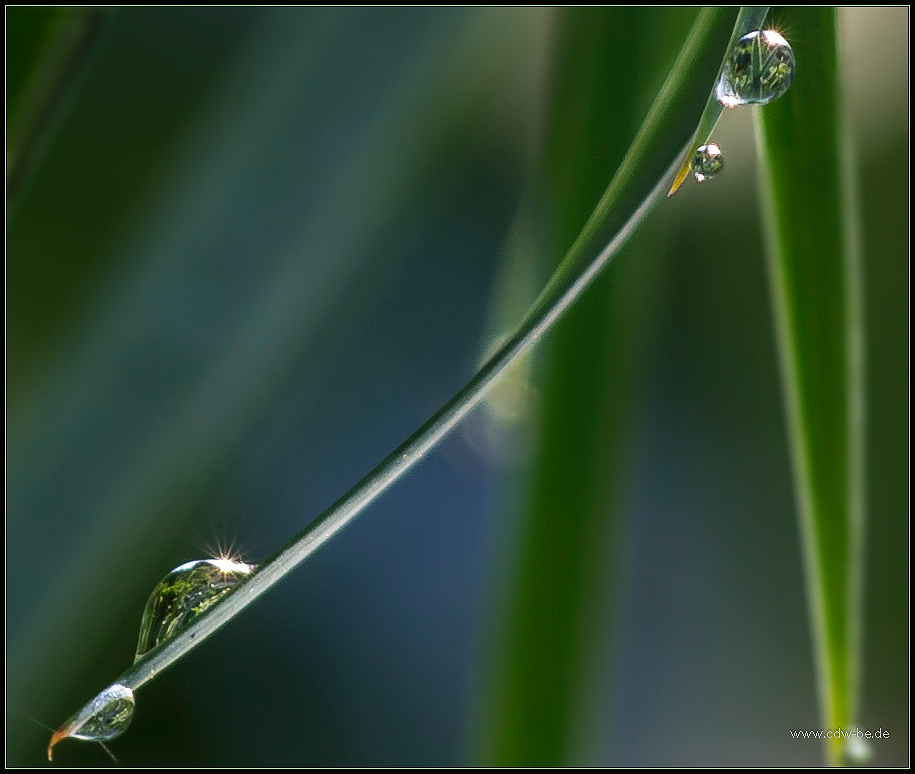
(103, 718)
(759, 69)
(707, 162)
(857, 751)
(183, 595)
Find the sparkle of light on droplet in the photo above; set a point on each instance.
(183, 595)
(707, 162)
(103, 718)
(759, 69)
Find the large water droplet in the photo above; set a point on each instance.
(707, 162)
(759, 69)
(103, 718)
(183, 595)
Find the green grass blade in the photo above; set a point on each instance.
(550, 634)
(640, 183)
(751, 18)
(815, 278)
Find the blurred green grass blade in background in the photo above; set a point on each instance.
(544, 678)
(554, 620)
(120, 124)
(815, 279)
(190, 275)
(47, 49)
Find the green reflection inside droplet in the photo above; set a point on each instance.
(183, 595)
(103, 718)
(109, 714)
(760, 69)
(707, 162)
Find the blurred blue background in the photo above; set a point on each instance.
(250, 251)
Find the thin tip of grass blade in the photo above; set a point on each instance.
(61, 733)
(679, 179)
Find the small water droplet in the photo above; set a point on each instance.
(707, 162)
(103, 718)
(857, 751)
(185, 594)
(759, 70)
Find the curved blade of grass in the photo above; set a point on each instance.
(640, 183)
(815, 280)
(751, 18)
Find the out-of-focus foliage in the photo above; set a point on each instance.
(255, 252)
(556, 612)
(810, 197)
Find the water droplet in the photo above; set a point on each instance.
(857, 751)
(185, 594)
(759, 69)
(103, 718)
(707, 162)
